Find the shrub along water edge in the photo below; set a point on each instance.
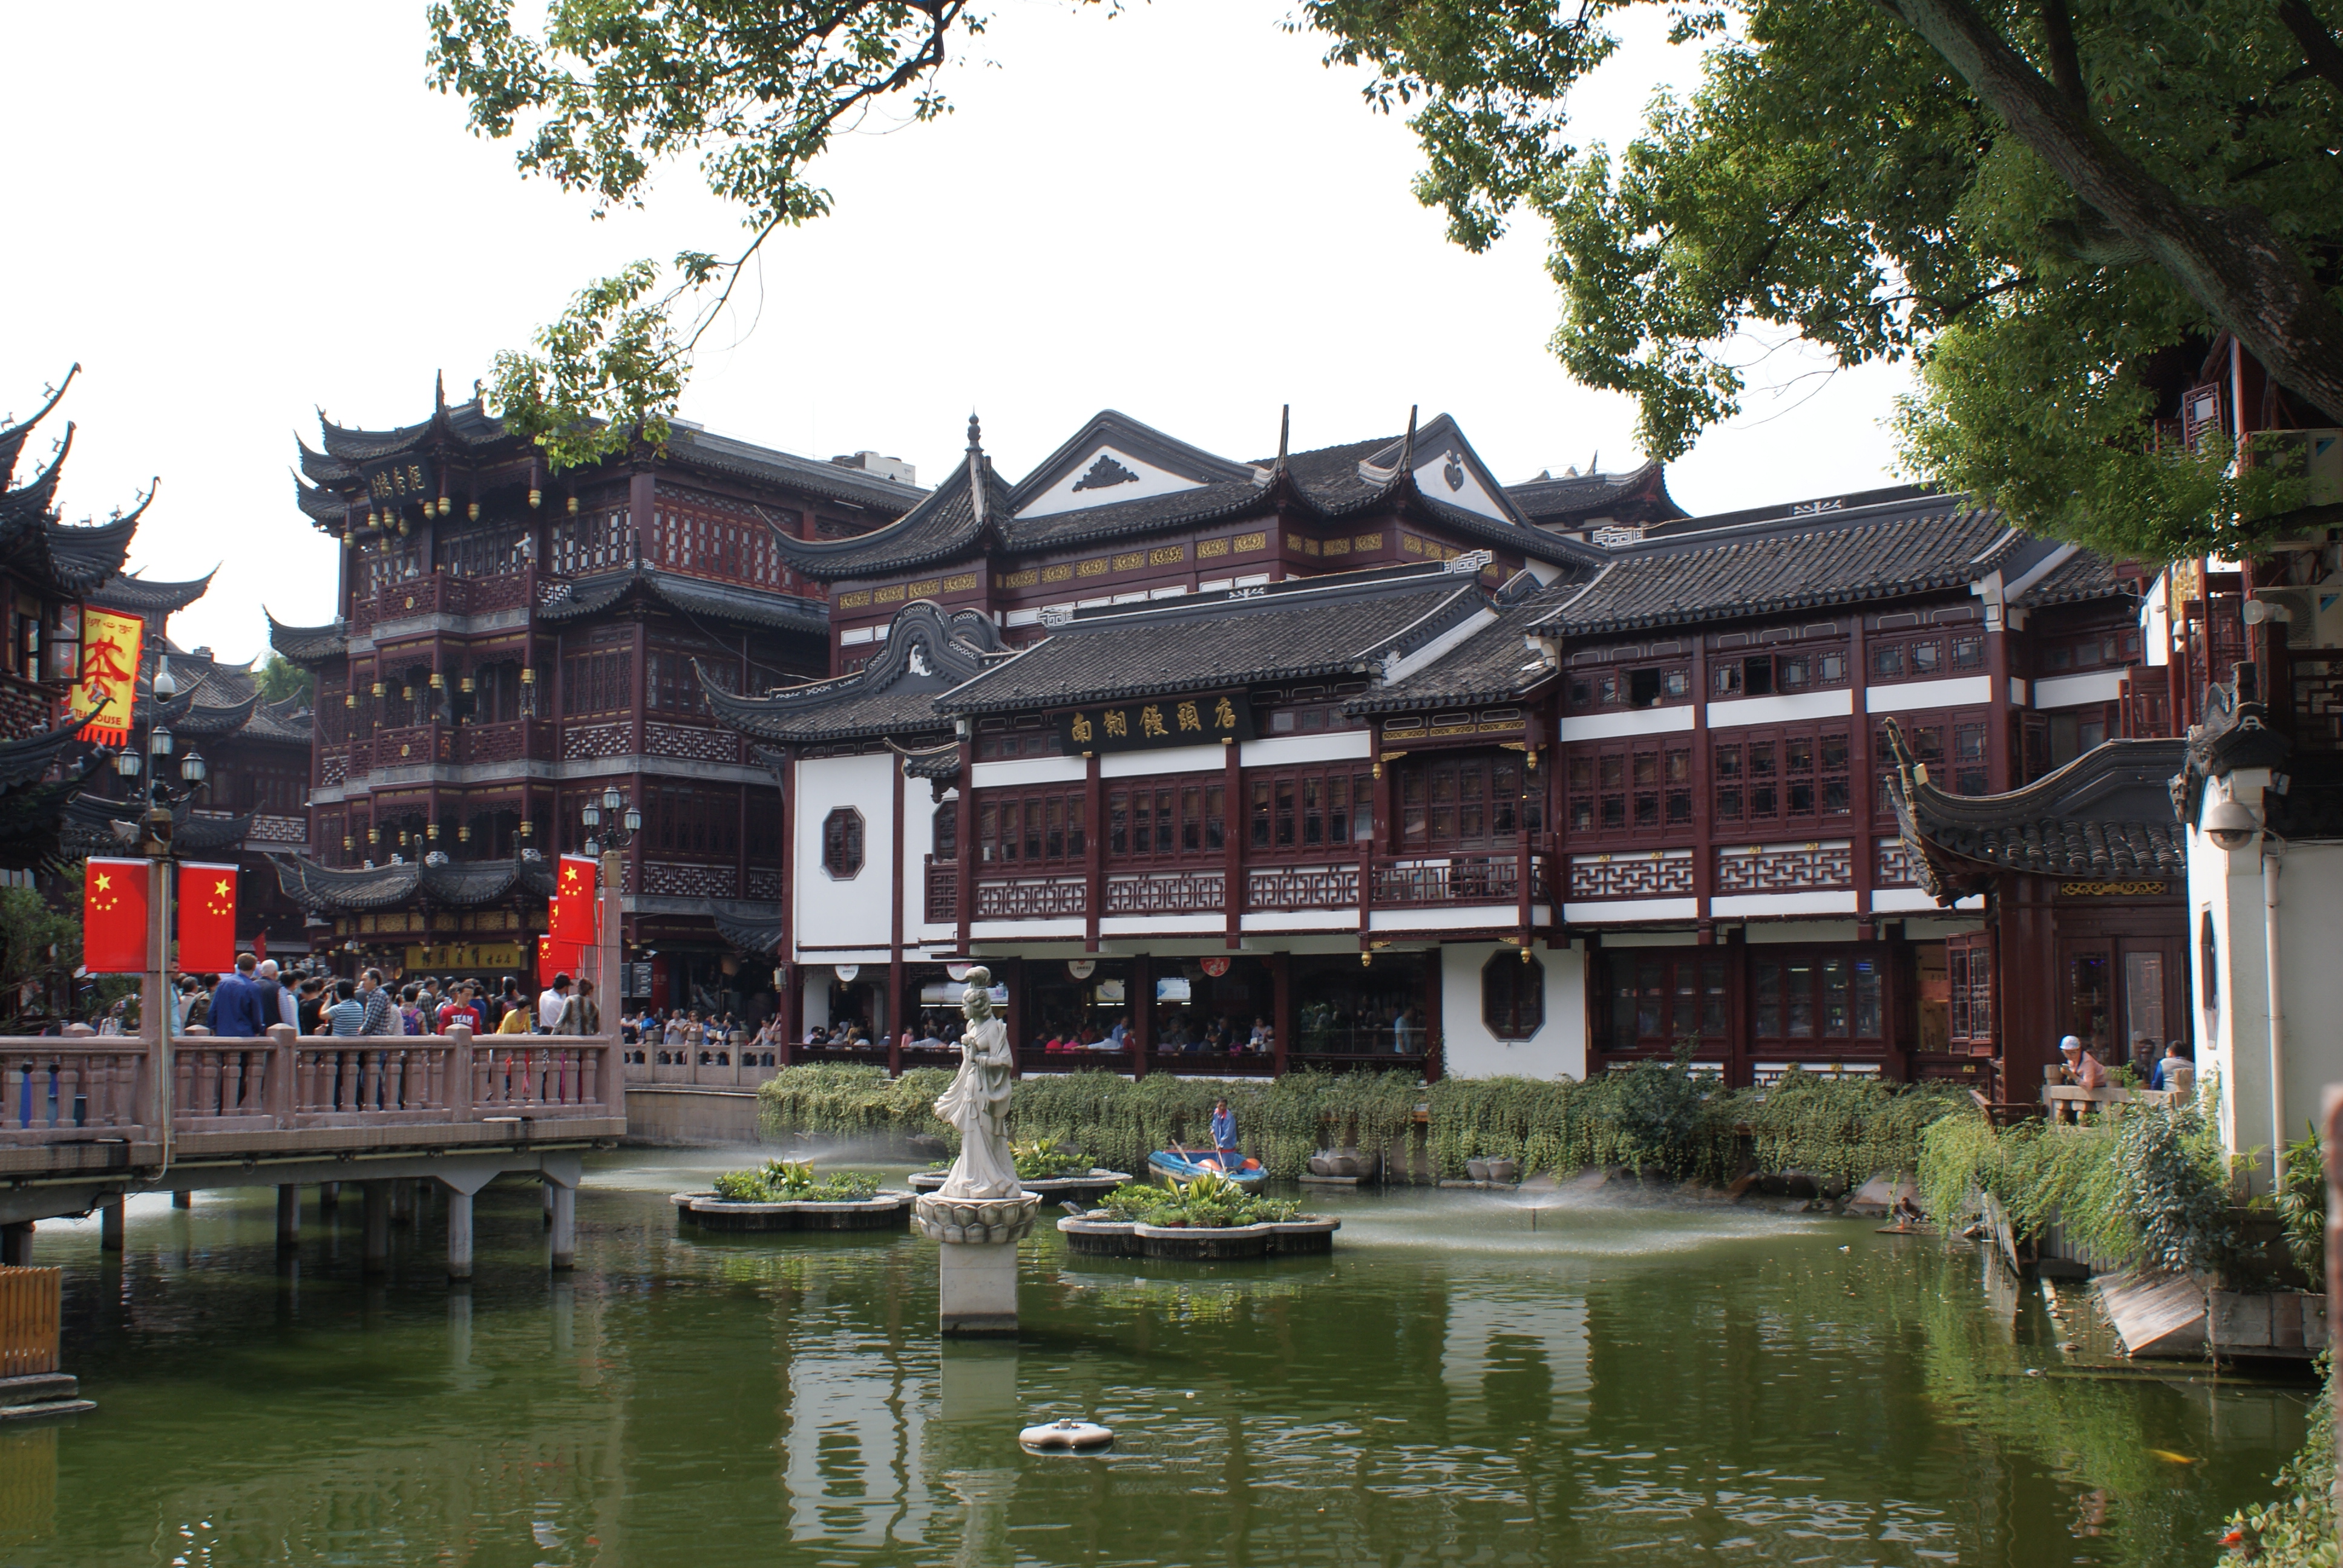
(1659, 1117)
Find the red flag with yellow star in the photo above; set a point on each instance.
(114, 917)
(573, 903)
(206, 917)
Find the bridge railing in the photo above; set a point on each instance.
(79, 1090)
(72, 1089)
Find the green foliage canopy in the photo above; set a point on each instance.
(2032, 202)
(2002, 192)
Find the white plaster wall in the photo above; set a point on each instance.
(832, 913)
(1558, 1046)
(2234, 1035)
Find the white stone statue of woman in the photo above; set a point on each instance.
(978, 1101)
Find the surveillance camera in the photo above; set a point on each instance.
(2229, 824)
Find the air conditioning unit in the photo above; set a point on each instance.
(2317, 454)
(2313, 617)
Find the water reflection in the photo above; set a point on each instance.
(1639, 1383)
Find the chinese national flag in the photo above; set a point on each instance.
(206, 917)
(573, 903)
(114, 917)
(555, 956)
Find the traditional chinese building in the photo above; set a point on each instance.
(47, 569)
(508, 644)
(1419, 778)
(2083, 875)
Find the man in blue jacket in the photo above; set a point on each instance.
(236, 1005)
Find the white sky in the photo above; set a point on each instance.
(232, 217)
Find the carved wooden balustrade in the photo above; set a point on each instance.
(1418, 881)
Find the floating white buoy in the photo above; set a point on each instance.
(1067, 1436)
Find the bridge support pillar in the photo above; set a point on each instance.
(16, 1245)
(288, 1216)
(459, 1235)
(183, 1198)
(329, 1198)
(402, 1201)
(565, 1225)
(109, 1226)
(377, 1195)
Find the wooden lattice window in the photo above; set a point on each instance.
(1968, 990)
(841, 843)
(1513, 995)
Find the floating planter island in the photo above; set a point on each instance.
(1197, 1243)
(1086, 1189)
(883, 1211)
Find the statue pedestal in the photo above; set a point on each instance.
(976, 1274)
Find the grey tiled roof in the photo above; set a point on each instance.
(13, 436)
(927, 653)
(307, 644)
(943, 526)
(1571, 499)
(145, 597)
(2107, 815)
(1493, 665)
(460, 884)
(695, 596)
(1840, 558)
(1325, 484)
(1305, 628)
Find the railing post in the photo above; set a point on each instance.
(463, 1105)
(614, 1083)
(278, 1088)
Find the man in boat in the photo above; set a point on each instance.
(1224, 1135)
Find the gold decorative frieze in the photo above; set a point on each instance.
(1206, 550)
(960, 584)
(1056, 574)
(1246, 542)
(1167, 555)
(1092, 568)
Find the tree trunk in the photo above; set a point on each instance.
(2230, 260)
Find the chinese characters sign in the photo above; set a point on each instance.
(401, 479)
(1159, 722)
(108, 682)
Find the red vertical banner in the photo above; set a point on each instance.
(206, 917)
(573, 913)
(114, 904)
(556, 956)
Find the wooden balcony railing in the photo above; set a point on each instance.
(1418, 881)
(1289, 887)
(1196, 892)
(1030, 898)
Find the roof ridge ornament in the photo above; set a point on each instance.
(976, 464)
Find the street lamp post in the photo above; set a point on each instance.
(611, 824)
(153, 833)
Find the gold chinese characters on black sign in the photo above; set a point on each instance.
(1157, 722)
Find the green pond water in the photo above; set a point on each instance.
(1626, 1382)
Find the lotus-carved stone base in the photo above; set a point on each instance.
(977, 1222)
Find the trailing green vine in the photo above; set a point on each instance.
(1657, 1116)
(2147, 1183)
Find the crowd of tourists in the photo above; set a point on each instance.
(259, 994)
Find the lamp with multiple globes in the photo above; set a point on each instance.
(624, 819)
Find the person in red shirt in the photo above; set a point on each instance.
(462, 1008)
